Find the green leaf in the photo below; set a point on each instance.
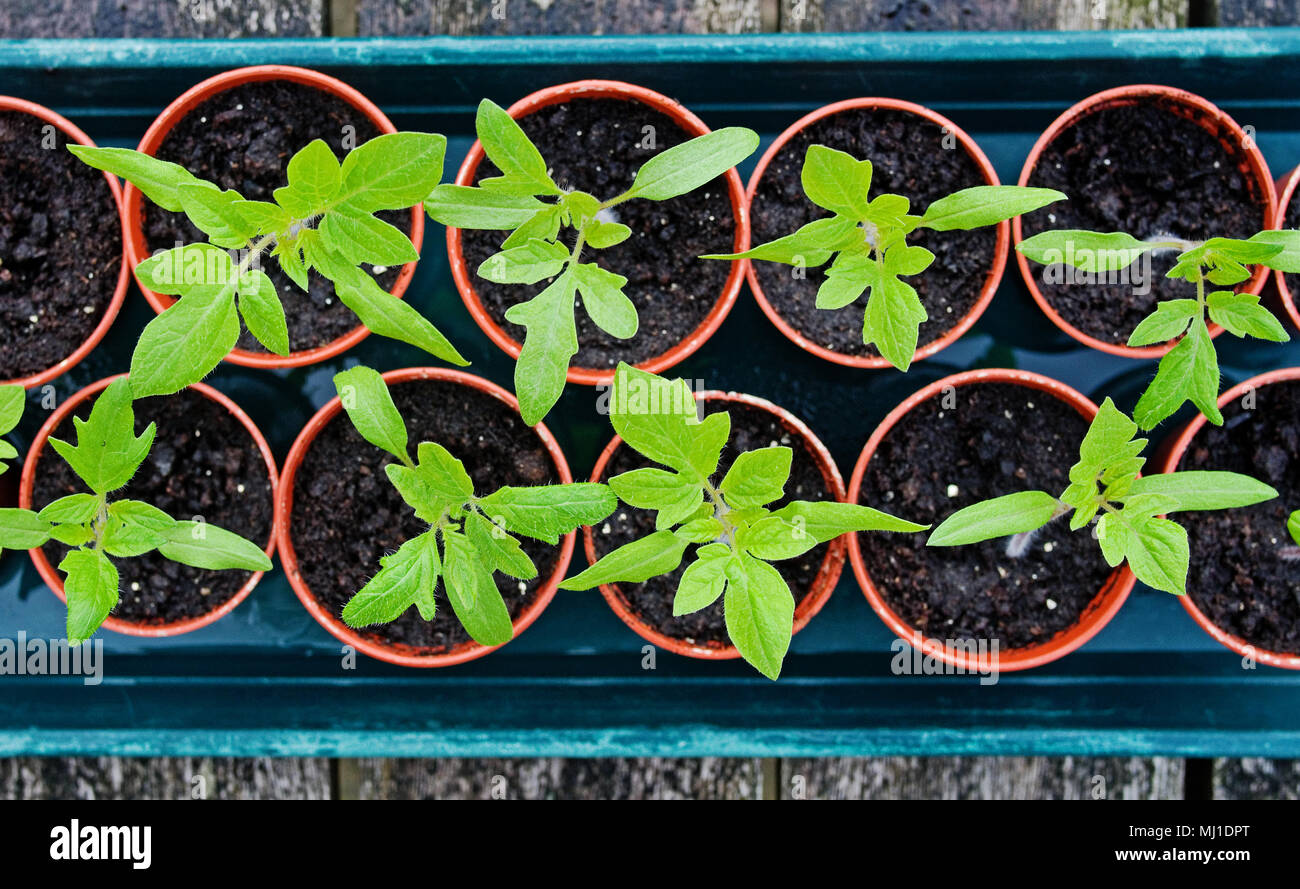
(91, 589)
(548, 511)
(72, 535)
(263, 313)
(685, 167)
(392, 172)
(759, 611)
(386, 315)
(75, 509)
(1089, 251)
(985, 205)
(1241, 315)
(192, 268)
(437, 484)
(204, 545)
(827, 519)
(543, 225)
(809, 246)
(397, 585)
(1159, 554)
(22, 529)
(1000, 517)
(674, 496)
(144, 515)
(893, 321)
(527, 264)
(216, 213)
(700, 530)
(1109, 438)
(183, 344)
(837, 181)
(1288, 258)
(507, 146)
(107, 452)
(129, 540)
(1201, 490)
(1189, 372)
(462, 206)
(289, 258)
(314, 178)
(703, 580)
(265, 217)
(772, 538)
(551, 340)
(1237, 251)
(757, 477)
(658, 419)
(365, 396)
(634, 562)
(472, 592)
(603, 297)
(1169, 320)
(1293, 526)
(13, 399)
(158, 180)
(362, 238)
(502, 552)
(602, 235)
(848, 277)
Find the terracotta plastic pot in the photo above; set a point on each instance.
(1191, 106)
(1286, 187)
(991, 281)
(55, 581)
(1175, 456)
(1099, 611)
(133, 210)
(605, 89)
(807, 606)
(74, 134)
(394, 653)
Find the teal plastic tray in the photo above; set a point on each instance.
(267, 679)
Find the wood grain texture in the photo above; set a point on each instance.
(1255, 13)
(550, 778)
(1257, 779)
(161, 18)
(982, 777)
(980, 15)
(178, 778)
(501, 17)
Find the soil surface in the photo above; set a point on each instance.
(60, 247)
(1241, 576)
(346, 514)
(595, 145)
(985, 440)
(243, 138)
(652, 600)
(203, 463)
(908, 157)
(1145, 170)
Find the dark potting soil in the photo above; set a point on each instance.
(203, 463)
(1292, 221)
(1145, 170)
(595, 145)
(346, 514)
(980, 441)
(652, 600)
(1240, 574)
(243, 138)
(908, 157)
(60, 247)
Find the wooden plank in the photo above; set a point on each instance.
(162, 18)
(503, 17)
(179, 778)
(550, 779)
(1255, 13)
(1257, 779)
(980, 15)
(981, 777)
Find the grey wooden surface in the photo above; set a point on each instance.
(833, 778)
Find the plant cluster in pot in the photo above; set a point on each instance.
(600, 194)
(63, 273)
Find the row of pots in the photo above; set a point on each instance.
(1236, 142)
(1100, 610)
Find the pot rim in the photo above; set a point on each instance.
(688, 121)
(73, 132)
(1104, 604)
(991, 281)
(828, 574)
(1202, 108)
(1287, 192)
(392, 653)
(133, 207)
(51, 576)
(1175, 456)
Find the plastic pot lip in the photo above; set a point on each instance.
(137, 248)
(73, 132)
(51, 577)
(1175, 456)
(991, 282)
(1286, 188)
(399, 654)
(606, 89)
(827, 575)
(1201, 108)
(1100, 610)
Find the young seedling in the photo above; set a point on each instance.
(737, 535)
(868, 240)
(527, 202)
(1189, 371)
(476, 534)
(1105, 489)
(12, 401)
(97, 527)
(323, 219)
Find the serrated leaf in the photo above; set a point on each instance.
(502, 551)
(603, 298)
(185, 343)
(685, 167)
(107, 452)
(892, 321)
(759, 612)
(1241, 315)
(263, 313)
(264, 216)
(634, 562)
(703, 580)
(836, 181)
(1168, 321)
(472, 592)
(526, 264)
(546, 512)
(507, 146)
(1158, 553)
(657, 418)
(397, 585)
(392, 171)
(365, 396)
(1189, 372)
(757, 477)
(848, 277)
(158, 180)
(204, 545)
(216, 214)
(985, 205)
(362, 238)
(75, 509)
(1002, 516)
(675, 497)
(551, 340)
(192, 268)
(314, 178)
(90, 585)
